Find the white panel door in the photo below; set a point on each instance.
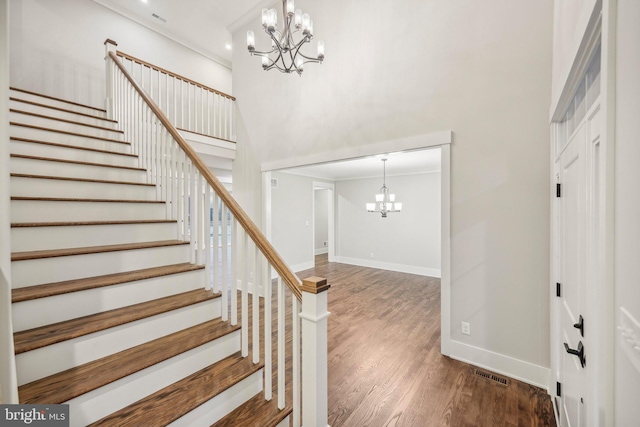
(572, 275)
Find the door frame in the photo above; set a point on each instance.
(600, 357)
(331, 248)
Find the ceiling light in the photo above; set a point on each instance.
(227, 46)
(385, 202)
(285, 53)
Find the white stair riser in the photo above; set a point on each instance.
(37, 211)
(48, 123)
(61, 356)
(222, 404)
(65, 115)
(101, 402)
(36, 187)
(71, 170)
(62, 138)
(56, 103)
(25, 239)
(64, 153)
(85, 303)
(59, 269)
(284, 423)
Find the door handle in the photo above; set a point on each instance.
(580, 325)
(579, 352)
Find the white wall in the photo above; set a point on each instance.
(407, 241)
(57, 49)
(321, 220)
(481, 69)
(292, 219)
(8, 384)
(627, 206)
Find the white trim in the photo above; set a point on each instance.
(8, 382)
(320, 251)
(515, 368)
(417, 142)
(331, 248)
(401, 268)
(445, 250)
(209, 55)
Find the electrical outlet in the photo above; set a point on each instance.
(466, 328)
(324, 243)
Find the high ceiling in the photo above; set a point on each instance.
(199, 24)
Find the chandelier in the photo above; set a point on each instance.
(385, 202)
(285, 52)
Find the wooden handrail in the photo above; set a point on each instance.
(178, 76)
(292, 281)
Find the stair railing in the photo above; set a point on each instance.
(233, 250)
(190, 105)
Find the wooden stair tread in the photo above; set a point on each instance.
(58, 288)
(172, 402)
(62, 331)
(51, 107)
(65, 132)
(72, 223)
(58, 99)
(255, 412)
(52, 253)
(76, 381)
(44, 116)
(75, 162)
(72, 199)
(75, 147)
(64, 178)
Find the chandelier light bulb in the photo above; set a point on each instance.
(297, 19)
(265, 62)
(290, 7)
(251, 41)
(306, 21)
(265, 18)
(321, 49)
(300, 64)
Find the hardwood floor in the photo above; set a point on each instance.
(385, 366)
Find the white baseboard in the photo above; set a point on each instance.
(514, 368)
(302, 266)
(402, 268)
(320, 251)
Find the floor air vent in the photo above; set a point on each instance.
(491, 376)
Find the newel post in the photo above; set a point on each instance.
(109, 46)
(314, 314)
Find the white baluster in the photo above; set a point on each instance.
(207, 239)
(281, 309)
(193, 211)
(295, 334)
(236, 254)
(245, 298)
(225, 261)
(255, 305)
(215, 226)
(268, 294)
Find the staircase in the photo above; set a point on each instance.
(110, 314)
